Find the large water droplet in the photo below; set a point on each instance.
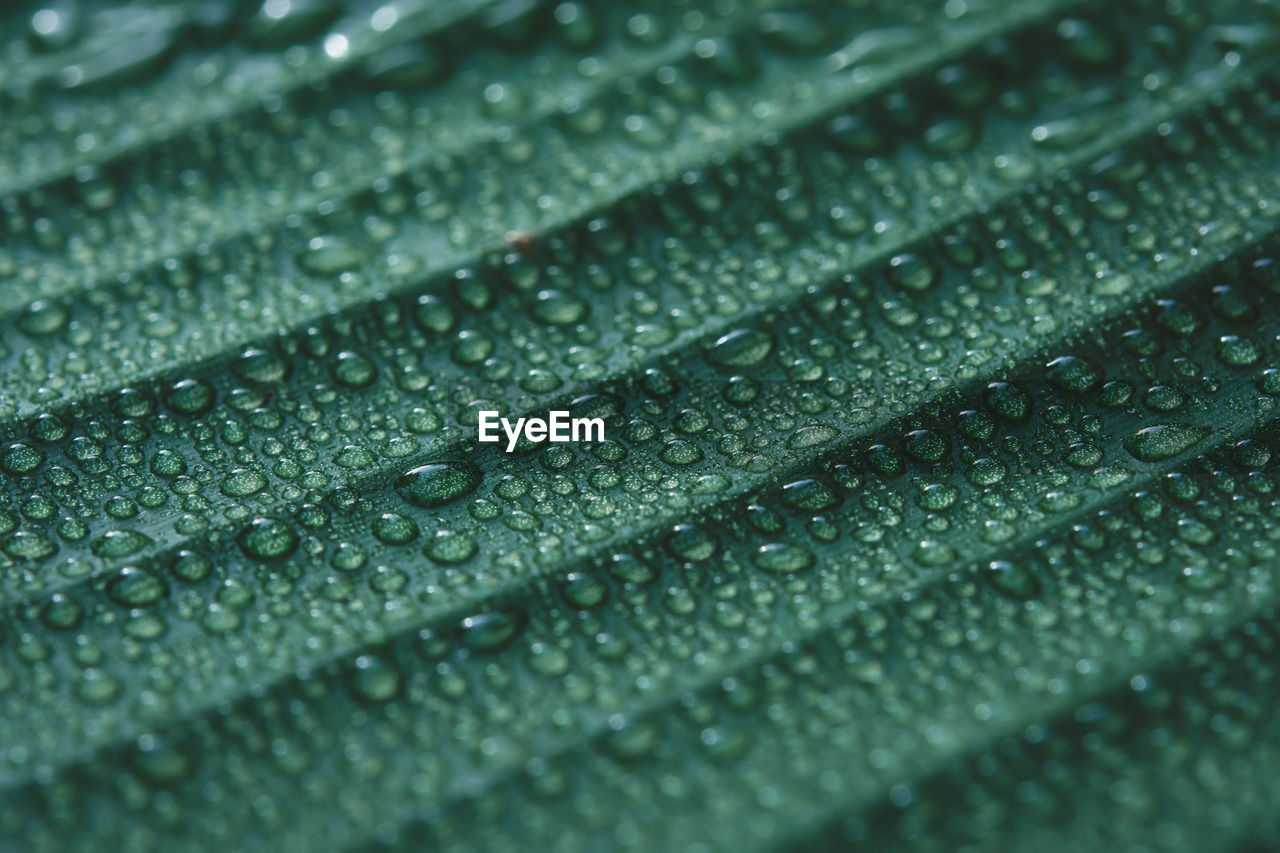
(438, 483)
(1162, 441)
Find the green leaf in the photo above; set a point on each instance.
(936, 348)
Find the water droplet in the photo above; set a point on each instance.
(20, 458)
(119, 543)
(353, 370)
(242, 482)
(1162, 441)
(43, 318)
(559, 308)
(438, 483)
(393, 528)
(136, 588)
(449, 547)
(781, 558)
(1073, 374)
(740, 348)
(1011, 579)
(268, 538)
(374, 680)
(190, 396)
(489, 632)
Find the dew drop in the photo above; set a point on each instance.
(438, 483)
(1162, 441)
(267, 539)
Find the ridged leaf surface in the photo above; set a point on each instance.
(938, 349)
